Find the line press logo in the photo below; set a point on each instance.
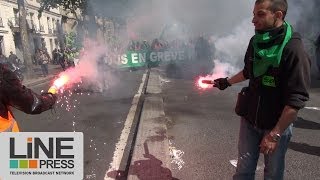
(38, 155)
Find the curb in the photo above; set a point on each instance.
(54, 71)
(40, 81)
(120, 171)
(150, 157)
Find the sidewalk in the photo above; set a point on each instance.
(150, 158)
(53, 71)
(189, 134)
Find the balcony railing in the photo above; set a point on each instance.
(1, 22)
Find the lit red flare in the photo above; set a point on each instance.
(61, 81)
(204, 83)
(207, 81)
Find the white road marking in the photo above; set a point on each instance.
(120, 146)
(176, 156)
(234, 163)
(163, 80)
(313, 108)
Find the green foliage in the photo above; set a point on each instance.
(72, 40)
(71, 5)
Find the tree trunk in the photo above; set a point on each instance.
(25, 39)
(61, 35)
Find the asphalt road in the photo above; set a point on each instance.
(203, 126)
(100, 116)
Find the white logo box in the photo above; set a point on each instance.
(30, 162)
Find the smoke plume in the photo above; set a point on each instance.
(86, 70)
(227, 23)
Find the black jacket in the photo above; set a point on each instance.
(14, 94)
(266, 104)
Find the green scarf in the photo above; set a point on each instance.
(268, 47)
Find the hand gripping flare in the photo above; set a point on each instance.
(221, 83)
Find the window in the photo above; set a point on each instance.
(1, 22)
(53, 24)
(16, 13)
(1, 44)
(41, 28)
(51, 45)
(31, 16)
(16, 17)
(31, 20)
(49, 25)
(43, 43)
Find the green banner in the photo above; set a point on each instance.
(149, 58)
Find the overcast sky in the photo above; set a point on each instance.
(227, 22)
(199, 17)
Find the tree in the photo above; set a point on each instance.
(79, 8)
(25, 38)
(89, 11)
(71, 5)
(111, 8)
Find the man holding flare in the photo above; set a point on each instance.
(278, 70)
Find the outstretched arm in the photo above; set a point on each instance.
(239, 77)
(22, 98)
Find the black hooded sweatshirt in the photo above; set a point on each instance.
(14, 94)
(265, 104)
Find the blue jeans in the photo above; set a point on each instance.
(249, 151)
(44, 68)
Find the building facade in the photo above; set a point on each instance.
(43, 32)
(100, 28)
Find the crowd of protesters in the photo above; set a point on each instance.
(197, 48)
(12, 59)
(66, 57)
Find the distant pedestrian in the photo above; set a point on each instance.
(55, 56)
(44, 60)
(13, 58)
(3, 58)
(37, 57)
(61, 60)
(156, 45)
(145, 45)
